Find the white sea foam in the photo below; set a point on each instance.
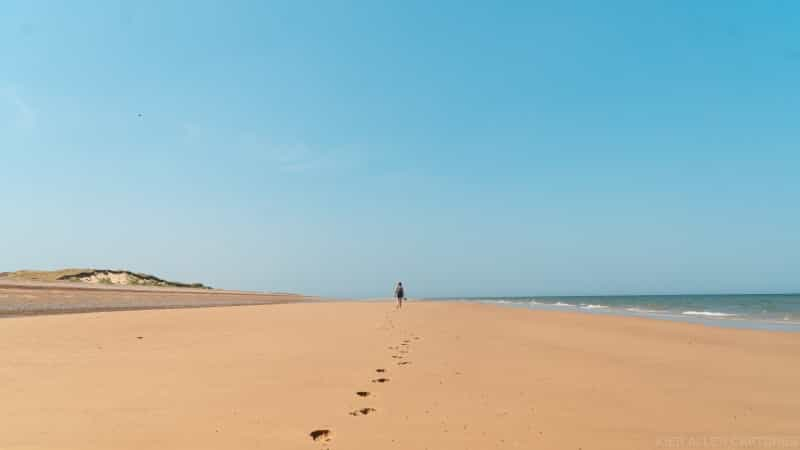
(562, 304)
(707, 313)
(641, 310)
(594, 306)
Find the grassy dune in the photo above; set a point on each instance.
(94, 276)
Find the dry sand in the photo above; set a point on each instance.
(476, 377)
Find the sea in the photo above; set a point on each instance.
(779, 312)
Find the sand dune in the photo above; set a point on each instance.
(364, 376)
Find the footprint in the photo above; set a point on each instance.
(380, 370)
(403, 363)
(139, 337)
(362, 411)
(362, 393)
(380, 380)
(319, 434)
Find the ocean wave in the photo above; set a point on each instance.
(562, 304)
(707, 313)
(594, 306)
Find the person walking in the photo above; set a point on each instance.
(399, 292)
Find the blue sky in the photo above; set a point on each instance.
(333, 148)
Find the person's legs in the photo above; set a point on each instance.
(399, 302)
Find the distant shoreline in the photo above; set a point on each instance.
(18, 299)
(70, 286)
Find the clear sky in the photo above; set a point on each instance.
(334, 148)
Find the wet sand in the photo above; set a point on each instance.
(19, 298)
(456, 376)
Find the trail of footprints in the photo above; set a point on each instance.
(324, 435)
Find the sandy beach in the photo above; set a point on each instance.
(455, 376)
